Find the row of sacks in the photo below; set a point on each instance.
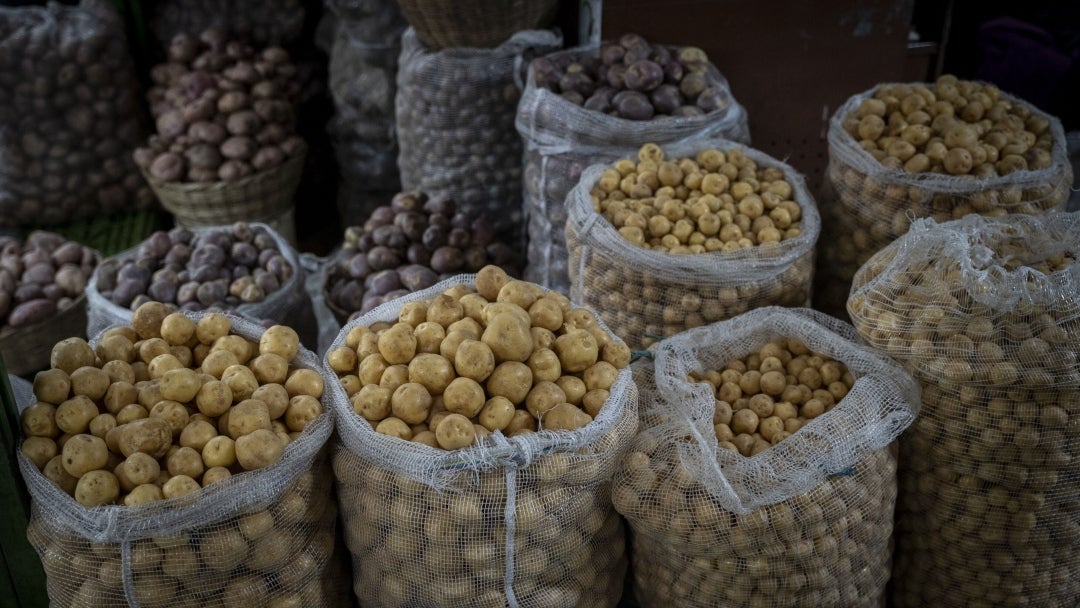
(752, 461)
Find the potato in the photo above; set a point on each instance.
(247, 417)
(241, 381)
(276, 398)
(39, 420)
(179, 485)
(497, 413)
(139, 468)
(303, 381)
(74, 415)
(215, 474)
(96, 488)
(181, 385)
(511, 380)
(302, 410)
(395, 427)
(185, 461)
(145, 493)
(398, 344)
(152, 436)
(280, 340)
(372, 402)
(211, 327)
(173, 413)
(71, 354)
(84, 453)
(432, 371)
(508, 337)
(454, 432)
(258, 449)
(474, 360)
(220, 451)
(52, 386)
(147, 318)
(39, 450)
(214, 398)
(577, 350)
(564, 416)
(269, 368)
(464, 396)
(411, 402)
(54, 470)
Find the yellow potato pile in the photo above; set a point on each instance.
(507, 356)
(766, 396)
(715, 201)
(165, 407)
(943, 150)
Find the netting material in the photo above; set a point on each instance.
(868, 205)
(646, 295)
(289, 305)
(260, 22)
(524, 521)
(256, 539)
(804, 523)
(69, 115)
(562, 139)
(455, 113)
(987, 508)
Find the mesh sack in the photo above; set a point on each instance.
(868, 205)
(261, 22)
(520, 521)
(70, 115)
(807, 522)
(646, 295)
(562, 139)
(260, 538)
(289, 305)
(455, 113)
(985, 313)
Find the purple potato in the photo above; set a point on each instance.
(203, 274)
(416, 277)
(660, 54)
(180, 235)
(39, 273)
(578, 82)
(192, 306)
(545, 73)
(208, 255)
(475, 258)
(357, 266)
(611, 53)
(156, 246)
(168, 275)
(381, 215)
(412, 224)
(52, 291)
(348, 295)
(125, 291)
(280, 267)
(446, 259)
(27, 292)
(384, 234)
(139, 300)
(501, 254)
(482, 232)
(217, 239)
(244, 254)
(383, 281)
(162, 291)
(178, 254)
(673, 72)
(633, 41)
(393, 295)
(418, 254)
(460, 220)
(688, 111)
(134, 272)
(211, 293)
(266, 281)
(406, 201)
(441, 205)
(371, 302)
(264, 240)
(366, 242)
(459, 238)
(712, 99)
(600, 100)
(242, 231)
(266, 255)
(382, 258)
(666, 98)
(644, 75)
(573, 97)
(434, 237)
(438, 219)
(633, 105)
(616, 77)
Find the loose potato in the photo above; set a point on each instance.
(177, 329)
(434, 372)
(280, 340)
(219, 452)
(577, 350)
(40, 450)
(71, 354)
(508, 337)
(241, 381)
(302, 410)
(454, 432)
(152, 436)
(179, 485)
(55, 472)
(247, 417)
(74, 415)
(464, 396)
(84, 453)
(181, 385)
(411, 402)
(564, 416)
(474, 360)
(398, 344)
(269, 368)
(303, 381)
(39, 420)
(52, 386)
(258, 449)
(214, 398)
(96, 488)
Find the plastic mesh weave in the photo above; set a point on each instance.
(868, 205)
(261, 538)
(806, 522)
(525, 521)
(987, 514)
(645, 295)
(562, 139)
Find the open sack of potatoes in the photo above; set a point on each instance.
(689, 235)
(941, 150)
(585, 105)
(763, 474)
(180, 461)
(248, 269)
(480, 423)
(984, 312)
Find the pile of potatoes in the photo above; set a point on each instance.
(770, 394)
(41, 277)
(166, 406)
(635, 80)
(455, 112)
(943, 150)
(747, 219)
(409, 245)
(216, 268)
(827, 547)
(223, 111)
(986, 514)
(69, 102)
(506, 356)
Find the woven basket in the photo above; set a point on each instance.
(27, 350)
(475, 23)
(255, 198)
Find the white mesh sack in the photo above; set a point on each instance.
(645, 295)
(562, 139)
(523, 521)
(985, 313)
(258, 538)
(806, 522)
(70, 115)
(260, 22)
(289, 304)
(871, 202)
(455, 113)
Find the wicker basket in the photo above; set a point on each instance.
(264, 195)
(475, 23)
(27, 350)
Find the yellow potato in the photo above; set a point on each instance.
(258, 449)
(474, 359)
(52, 386)
(219, 452)
(181, 385)
(269, 368)
(177, 329)
(214, 398)
(411, 402)
(303, 381)
(454, 432)
(247, 417)
(280, 340)
(464, 396)
(84, 453)
(302, 410)
(96, 488)
(40, 450)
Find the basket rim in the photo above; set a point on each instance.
(200, 187)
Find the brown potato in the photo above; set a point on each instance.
(464, 396)
(39, 450)
(303, 381)
(280, 340)
(269, 368)
(52, 386)
(302, 410)
(150, 435)
(96, 488)
(474, 360)
(454, 432)
(512, 380)
(247, 417)
(84, 453)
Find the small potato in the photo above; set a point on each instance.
(577, 350)
(162, 364)
(435, 372)
(219, 452)
(395, 427)
(398, 344)
(280, 340)
(149, 349)
(74, 415)
(197, 434)
(39, 420)
(342, 360)
(97, 488)
(545, 365)
(119, 371)
(445, 310)
(489, 281)
(237, 345)
(71, 354)
(247, 417)
(215, 474)
(464, 396)
(429, 337)
(617, 353)
(84, 453)
(241, 381)
(102, 424)
(497, 414)
(149, 393)
(512, 380)
(269, 368)
(411, 402)
(130, 413)
(52, 386)
(211, 327)
(177, 329)
(181, 385)
(115, 348)
(372, 368)
(179, 485)
(214, 398)
(522, 421)
(542, 338)
(601, 375)
(302, 410)
(172, 412)
(573, 387)
(275, 397)
(140, 468)
(542, 397)
(452, 342)
(454, 432)
(394, 376)
(55, 472)
(40, 450)
(564, 417)
(147, 318)
(258, 449)
(143, 494)
(150, 435)
(427, 438)
(303, 381)
(185, 461)
(373, 402)
(546, 313)
(593, 401)
(120, 393)
(474, 360)
(89, 381)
